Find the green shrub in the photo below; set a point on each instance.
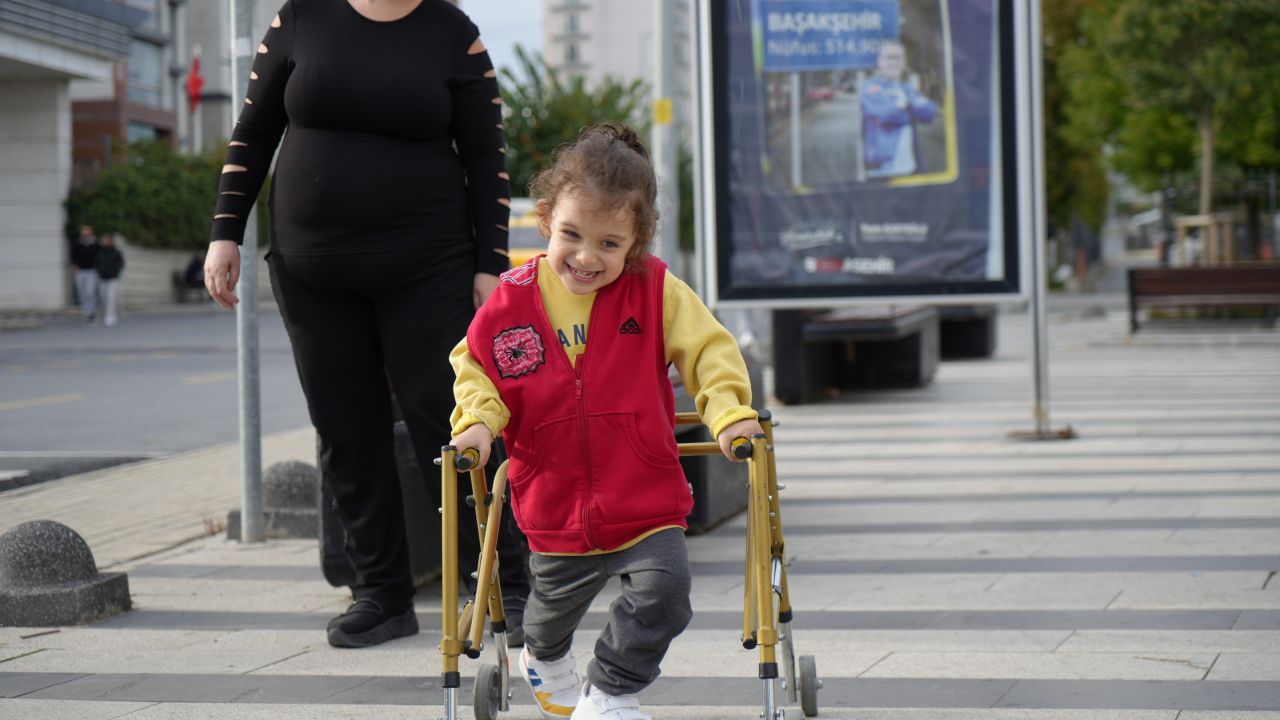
(155, 197)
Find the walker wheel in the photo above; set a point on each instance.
(807, 679)
(488, 693)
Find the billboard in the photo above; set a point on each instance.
(863, 150)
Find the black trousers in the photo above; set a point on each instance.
(361, 325)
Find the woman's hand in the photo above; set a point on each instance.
(475, 436)
(483, 287)
(222, 271)
(741, 429)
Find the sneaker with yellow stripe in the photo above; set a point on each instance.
(555, 683)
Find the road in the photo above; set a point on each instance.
(75, 397)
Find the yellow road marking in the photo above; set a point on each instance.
(206, 379)
(41, 401)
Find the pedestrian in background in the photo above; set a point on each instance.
(109, 266)
(84, 256)
(389, 227)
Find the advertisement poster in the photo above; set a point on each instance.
(862, 149)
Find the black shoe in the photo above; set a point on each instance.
(366, 624)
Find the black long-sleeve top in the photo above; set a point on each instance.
(394, 135)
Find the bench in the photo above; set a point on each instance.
(1236, 286)
(183, 289)
(818, 353)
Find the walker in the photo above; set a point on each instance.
(766, 609)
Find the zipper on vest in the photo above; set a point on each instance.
(586, 458)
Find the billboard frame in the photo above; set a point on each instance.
(1021, 192)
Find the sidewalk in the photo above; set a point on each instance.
(939, 569)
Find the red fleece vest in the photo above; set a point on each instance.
(593, 458)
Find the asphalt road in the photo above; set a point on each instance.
(74, 397)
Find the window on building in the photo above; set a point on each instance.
(571, 23)
(571, 53)
(151, 6)
(140, 131)
(146, 63)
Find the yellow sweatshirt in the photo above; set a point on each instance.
(704, 353)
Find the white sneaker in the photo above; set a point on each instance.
(595, 705)
(555, 683)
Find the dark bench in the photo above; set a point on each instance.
(182, 290)
(817, 352)
(1204, 287)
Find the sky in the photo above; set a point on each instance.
(503, 23)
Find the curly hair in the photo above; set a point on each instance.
(609, 164)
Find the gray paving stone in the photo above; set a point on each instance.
(64, 709)
(17, 684)
(203, 688)
(1153, 694)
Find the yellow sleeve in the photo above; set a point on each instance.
(476, 400)
(706, 356)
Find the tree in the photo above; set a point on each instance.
(543, 111)
(1075, 175)
(1157, 79)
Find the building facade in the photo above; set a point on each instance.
(45, 47)
(595, 39)
(140, 100)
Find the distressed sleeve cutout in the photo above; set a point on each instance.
(476, 48)
(253, 75)
(232, 192)
(492, 73)
(502, 150)
(504, 202)
(502, 252)
(504, 176)
(503, 228)
(263, 49)
(237, 143)
(276, 23)
(247, 101)
(497, 101)
(232, 168)
(224, 216)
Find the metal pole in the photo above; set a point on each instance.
(665, 137)
(1038, 280)
(251, 520)
(1034, 92)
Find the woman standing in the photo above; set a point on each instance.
(389, 208)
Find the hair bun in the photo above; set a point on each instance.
(620, 132)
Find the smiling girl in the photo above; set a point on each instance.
(595, 476)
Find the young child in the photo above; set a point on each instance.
(594, 472)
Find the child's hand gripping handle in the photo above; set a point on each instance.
(466, 459)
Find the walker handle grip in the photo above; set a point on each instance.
(466, 459)
(741, 448)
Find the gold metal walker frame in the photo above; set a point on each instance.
(766, 607)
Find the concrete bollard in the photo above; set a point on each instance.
(290, 501)
(48, 578)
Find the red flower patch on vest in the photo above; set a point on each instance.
(518, 351)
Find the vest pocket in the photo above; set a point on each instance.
(554, 500)
(631, 480)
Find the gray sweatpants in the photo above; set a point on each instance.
(652, 610)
